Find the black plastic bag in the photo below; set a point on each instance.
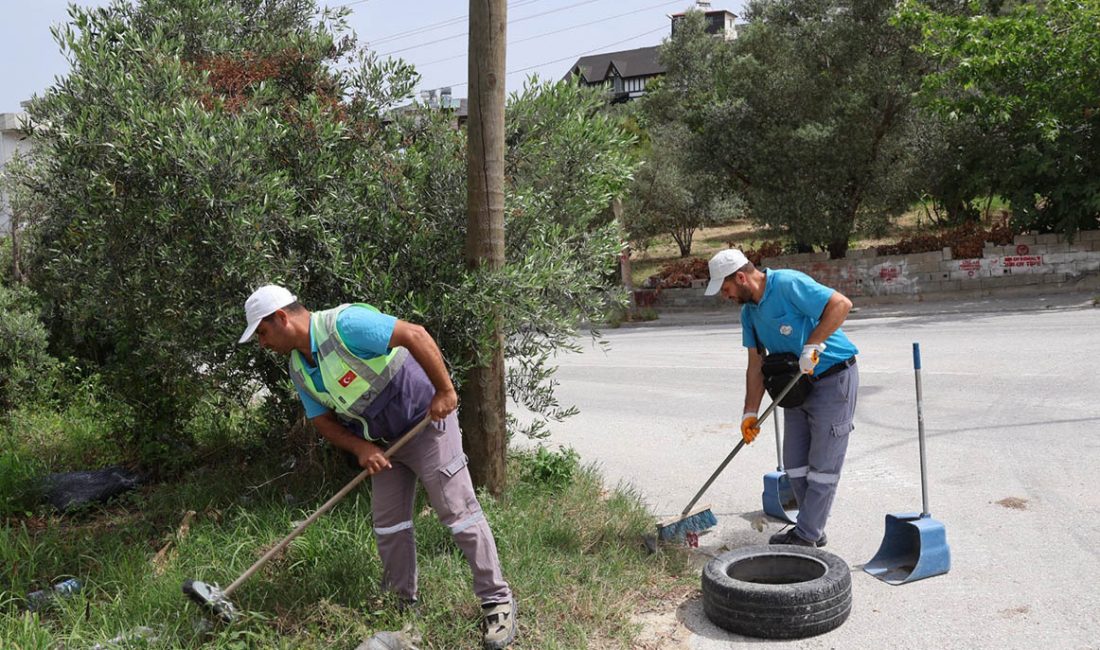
(74, 489)
(779, 369)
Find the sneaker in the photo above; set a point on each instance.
(793, 538)
(500, 624)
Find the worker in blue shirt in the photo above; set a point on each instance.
(365, 379)
(787, 311)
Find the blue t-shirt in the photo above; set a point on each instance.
(367, 334)
(789, 310)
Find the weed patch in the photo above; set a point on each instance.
(571, 549)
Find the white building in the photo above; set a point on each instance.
(12, 140)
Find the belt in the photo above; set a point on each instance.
(836, 367)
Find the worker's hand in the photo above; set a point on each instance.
(443, 404)
(749, 428)
(371, 457)
(811, 354)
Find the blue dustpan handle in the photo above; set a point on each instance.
(920, 430)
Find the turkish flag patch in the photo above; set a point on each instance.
(346, 380)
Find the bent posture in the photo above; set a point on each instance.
(787, 311)
(365, 378)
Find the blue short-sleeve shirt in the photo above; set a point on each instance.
(788, 311)
(367, 334)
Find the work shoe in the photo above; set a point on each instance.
(500, 624)
(793, 538)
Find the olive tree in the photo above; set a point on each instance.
(805, 114)
(200, 148)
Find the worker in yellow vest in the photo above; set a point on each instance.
(365, 378)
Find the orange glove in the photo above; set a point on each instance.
(749, 429)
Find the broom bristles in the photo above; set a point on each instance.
(693, 523)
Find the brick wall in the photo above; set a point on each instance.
(1031, 264)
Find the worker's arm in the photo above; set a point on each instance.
(754, 382)
(832, 317)
(754, 392)
(370, 455)
(424, 349)
(834, 313)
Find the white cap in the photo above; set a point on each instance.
(262, 303)
(722, 265)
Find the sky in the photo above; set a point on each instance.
(545, 37)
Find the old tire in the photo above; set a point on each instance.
(777, 591)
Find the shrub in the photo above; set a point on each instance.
(81, 429)
(191, 156)
(552, 470)
(767, 249)
(966, 241)
(680, 273)
(18, 474)
(29, 370)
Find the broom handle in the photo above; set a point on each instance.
(324, 508)
(764, 416)
(920, 431)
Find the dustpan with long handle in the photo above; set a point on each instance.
(914, 545)
(217, 600)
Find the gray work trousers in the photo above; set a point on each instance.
(435, 457)
(814, 447)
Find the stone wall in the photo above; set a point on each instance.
(1031, 264)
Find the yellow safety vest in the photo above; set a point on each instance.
(351, 383)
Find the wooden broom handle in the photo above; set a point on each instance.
(324, 508)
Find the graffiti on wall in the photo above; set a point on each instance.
(996, 266)
(889, 278)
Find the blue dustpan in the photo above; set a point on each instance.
(778, 497)
(914, 545)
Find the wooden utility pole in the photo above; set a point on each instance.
(483, 398)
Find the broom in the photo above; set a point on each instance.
(690, 522)
(216, 600)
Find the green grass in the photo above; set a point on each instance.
(571, 550)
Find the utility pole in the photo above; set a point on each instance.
(482, 412)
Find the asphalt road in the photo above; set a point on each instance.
(1012, 418)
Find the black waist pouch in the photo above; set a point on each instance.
(779, 369)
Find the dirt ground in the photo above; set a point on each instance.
(661, 628)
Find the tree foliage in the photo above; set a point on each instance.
(29, 370)
(676, 191)
(1026, 76)
(200, 148)
(807, 114)
(674, 195)
(954, 165)
(25, 208)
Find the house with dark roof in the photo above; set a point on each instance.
(627, 72)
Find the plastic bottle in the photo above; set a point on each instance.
(37, 599)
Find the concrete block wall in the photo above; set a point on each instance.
(1031, 264)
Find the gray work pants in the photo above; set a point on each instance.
(814, 447)
(435, 457)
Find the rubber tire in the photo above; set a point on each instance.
(815, 598)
